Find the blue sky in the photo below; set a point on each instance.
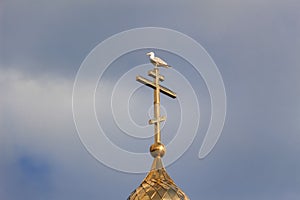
(255, 45)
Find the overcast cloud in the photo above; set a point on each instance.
(255, 44)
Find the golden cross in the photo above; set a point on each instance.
(157, 89)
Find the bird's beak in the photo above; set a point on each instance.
(148, 54)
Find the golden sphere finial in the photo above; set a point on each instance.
(157, 149)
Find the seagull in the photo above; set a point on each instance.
(157, 61)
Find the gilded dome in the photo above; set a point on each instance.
(157, 186)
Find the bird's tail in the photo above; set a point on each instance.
(168, 66)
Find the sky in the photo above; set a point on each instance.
(255, 45)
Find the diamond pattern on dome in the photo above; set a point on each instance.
(158, 186)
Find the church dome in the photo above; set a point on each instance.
(157, 186)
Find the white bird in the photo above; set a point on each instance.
(157, 61)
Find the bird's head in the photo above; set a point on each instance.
(151, 54)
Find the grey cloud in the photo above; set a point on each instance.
(255, 45)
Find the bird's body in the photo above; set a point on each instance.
(158, 62)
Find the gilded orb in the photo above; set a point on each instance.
(157, 149)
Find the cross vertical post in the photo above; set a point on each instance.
(157, 107)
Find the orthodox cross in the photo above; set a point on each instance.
(157, 149)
